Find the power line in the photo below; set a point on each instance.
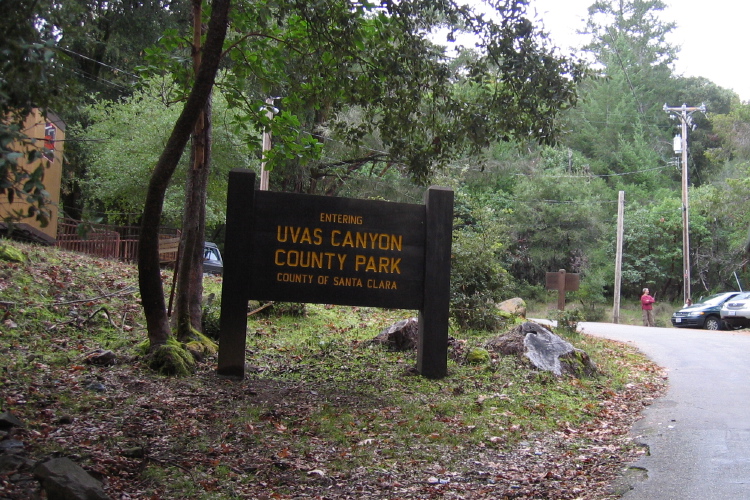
(98, 79)
(625, 72)
(583, 176)
(570, 202)
(118, 70)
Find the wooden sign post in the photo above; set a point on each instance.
(562, 282)
(327, 250)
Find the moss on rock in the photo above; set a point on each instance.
(579, 364)
(477, 356)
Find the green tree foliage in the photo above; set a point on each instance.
(27, 67)
(729, 203)
(103, 41)
(733, 128)
(652, 246)
(350, 73)
(718, 230)
(478, 279)
(123, 143)
(624, 104)
(725, 201)
(557, 216)
(596, 283)
(739, 196)
(93, 48)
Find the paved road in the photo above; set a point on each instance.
(699, 432)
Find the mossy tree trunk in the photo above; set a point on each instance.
(149, 272)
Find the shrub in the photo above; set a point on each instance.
(294, 309)
(210, 320)
(567, 321)
(477, 278)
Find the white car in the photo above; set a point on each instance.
(736, 312)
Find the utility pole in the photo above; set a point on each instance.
(618, 256)
(685, 114)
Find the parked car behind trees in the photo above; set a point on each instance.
(212, 261)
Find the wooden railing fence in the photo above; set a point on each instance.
(113, 242)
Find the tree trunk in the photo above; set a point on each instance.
(190, 273)
(149, 272)
(196, 289)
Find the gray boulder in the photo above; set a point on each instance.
(100, 357)
(402, 336)
(515, 306)
(544, 350)
(8, 421)
(63, 479)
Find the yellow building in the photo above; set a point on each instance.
(47, 132)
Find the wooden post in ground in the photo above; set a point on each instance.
(432, 344)
(562, 282)
(234, 296)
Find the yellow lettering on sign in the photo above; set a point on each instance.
(394, 266)
(342, 258)
(338, 281)
(294, 278)
(372, 264)
(341, 218)
(285, 234)
(384, 284)
(306, 258)
(375, 241)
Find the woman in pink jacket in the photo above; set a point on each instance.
(648, 308)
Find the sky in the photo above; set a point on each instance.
(714, 36)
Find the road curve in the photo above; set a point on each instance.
(698, 434)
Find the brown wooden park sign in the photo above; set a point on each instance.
(562, 282)
(303, 248)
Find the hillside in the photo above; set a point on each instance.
(322, 413)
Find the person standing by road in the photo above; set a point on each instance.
(647, 302)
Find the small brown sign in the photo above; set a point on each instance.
(562, 282)
(572, 281)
